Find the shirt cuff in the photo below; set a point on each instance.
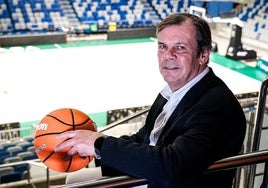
(97, 145)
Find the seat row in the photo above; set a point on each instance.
(40, 15)
(16, 150)
(11, 174)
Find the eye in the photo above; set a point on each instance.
(162, 47)
(179, 48)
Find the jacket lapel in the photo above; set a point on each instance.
(187, 101)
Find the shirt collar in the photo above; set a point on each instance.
(167, 92)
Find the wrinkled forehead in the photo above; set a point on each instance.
(178, 38)
(174, 19)
(183, 29)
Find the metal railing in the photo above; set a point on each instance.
(227, 163)
(15, 133)
(257, 129)
(125, 181)
(125, 119)
(250, 158)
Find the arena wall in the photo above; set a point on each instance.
(33, 39)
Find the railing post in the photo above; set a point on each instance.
(258, 127)
(265, 177)
(48, 183)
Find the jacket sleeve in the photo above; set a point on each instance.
(208, 125)
(197, 137)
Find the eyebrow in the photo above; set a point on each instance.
(177, 43)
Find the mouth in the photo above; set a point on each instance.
(170, 68)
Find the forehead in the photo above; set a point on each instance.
(184, 30)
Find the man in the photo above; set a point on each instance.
(194, 121)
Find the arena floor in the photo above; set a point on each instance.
(92, 78)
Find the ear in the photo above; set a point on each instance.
(204, 57)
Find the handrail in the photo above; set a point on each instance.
(226, 163)
(35, 162)
(144, 111)
(260, 112)
(125, 119)
(240, 160)
(125, 181)
(20, 162)
(11, 133)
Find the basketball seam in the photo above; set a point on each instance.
(69, 163)
(48, 156)
(79, 124)
(73, 123)
(45, 134)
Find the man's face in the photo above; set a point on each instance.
(177, 55)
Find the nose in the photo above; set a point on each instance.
(170, 54)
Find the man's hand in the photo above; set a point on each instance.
(80, 141)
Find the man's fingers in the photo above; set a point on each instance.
(65, 135)
(65, 144)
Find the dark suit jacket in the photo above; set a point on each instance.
(206, 126)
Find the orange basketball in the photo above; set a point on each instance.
(59, 121)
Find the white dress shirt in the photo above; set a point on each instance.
(173, 100)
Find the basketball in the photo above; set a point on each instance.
(54, 123)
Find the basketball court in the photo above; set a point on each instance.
(93, 77)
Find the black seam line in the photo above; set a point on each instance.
(48, 156)
(80, 124)
(69, 164)
(45, 134)
(73, 123)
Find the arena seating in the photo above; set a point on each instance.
(15, 150)
(124, 13)
(36, 15)
(42, 16)
(255, 16)
(5, 18)
(6, 170)
(10, 177)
